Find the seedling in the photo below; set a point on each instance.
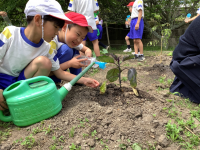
(36, 130)
(154, 115)
(124, 79)
(93, 133)
(85, 135)
(115, 73)
(29, 141)
(74, 147)
(71, 133)
(122, 146)
(48, 130)
(103, 51)
(173, 131)
(135, 146)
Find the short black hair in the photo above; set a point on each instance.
(58, 22)
(73, 25)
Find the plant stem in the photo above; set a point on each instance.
(119, 74)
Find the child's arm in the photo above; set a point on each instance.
(3, 13)
(87, 51)
(139, 18)
(64, 75)
(191, 19)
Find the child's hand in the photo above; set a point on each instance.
(88, 52)
(3, 13)
(91, 82)
(126, 23)
(2, 101)
(137, 26)
(76, 63)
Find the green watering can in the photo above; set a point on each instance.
(36, 99)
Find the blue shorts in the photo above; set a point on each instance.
(7, 80)
(65, 53)
(91, 36)
(100, 30)
(136, 34)
(129, 35)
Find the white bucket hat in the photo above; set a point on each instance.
(45, 7)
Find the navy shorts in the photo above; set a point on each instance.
(91, 36)
(136, 34)
(7, 80)
(100, 30)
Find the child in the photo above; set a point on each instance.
(136, 28)
(68, 38)
(23, 52)
(87, 8)
(99, 23)
(191, 19)
(130, 5)
(186, 63)
(3, 13)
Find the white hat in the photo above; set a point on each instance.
(45, 7)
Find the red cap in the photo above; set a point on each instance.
(130, 4)
(79, 19)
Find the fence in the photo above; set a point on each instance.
(114, 35)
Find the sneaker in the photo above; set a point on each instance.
(107, 48)
(134, 53)
(141, 58)
(127, 50)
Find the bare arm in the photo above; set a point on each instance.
(139, 19)
(68, 11)
(191, 19)
(87, 51)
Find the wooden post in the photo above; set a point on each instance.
(107, 34)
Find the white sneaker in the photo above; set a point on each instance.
(127, 50)
(134, 53)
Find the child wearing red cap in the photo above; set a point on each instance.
(25, 53)
(130, 5)
(87, 8)
(68, 44)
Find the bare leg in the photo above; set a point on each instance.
(96, 47)
(139, 45)
(127, 40)
(135, 46)
(3, 104)
(39, 66)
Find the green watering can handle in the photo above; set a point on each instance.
(7, 91)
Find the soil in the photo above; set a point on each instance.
(111, 120)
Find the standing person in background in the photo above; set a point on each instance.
(87, 8)
(191, 19)
(99, 23)
(136, 28)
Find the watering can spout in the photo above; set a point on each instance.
(64, 90)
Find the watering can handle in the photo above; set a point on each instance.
(39, 78)
(5, 118)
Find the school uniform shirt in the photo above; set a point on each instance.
(198, 11)
(86, 8)
(17, 51)
(138, 5)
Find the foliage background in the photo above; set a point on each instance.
(172, 12)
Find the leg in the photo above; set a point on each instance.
(136, 45)
(102, 45)
(40, 66)
(139, 45)
(127, 40)
(96, 47)
(3, 104)
(128, 44)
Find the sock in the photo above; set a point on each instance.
(102, 45)
(129, 46)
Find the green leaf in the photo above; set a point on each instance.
(132, 75)
(128, 57)
(135, 146)
(103, 88)
(106, 59)
(112, 75)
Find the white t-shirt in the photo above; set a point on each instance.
(138, 4)
(198, 11)
(86, 8)
(16, 51)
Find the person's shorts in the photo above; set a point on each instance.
(7, 80)
(136, 34)
(91, 36)
(100, 30)
(129, 35)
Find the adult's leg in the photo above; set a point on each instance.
(40, 66)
